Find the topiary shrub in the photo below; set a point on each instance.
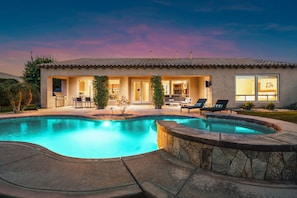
(158, 91)
(101, 91)
(248, 105)
(270, 106)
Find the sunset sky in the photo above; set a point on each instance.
(65, 30)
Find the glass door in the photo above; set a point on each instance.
(140, 90)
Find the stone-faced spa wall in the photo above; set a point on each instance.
(264, 158)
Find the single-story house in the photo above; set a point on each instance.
(9, 76)
(236, 79)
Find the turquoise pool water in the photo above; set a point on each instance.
(86, 138)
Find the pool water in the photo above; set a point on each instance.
(86, 138)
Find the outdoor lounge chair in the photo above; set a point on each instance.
(199, 104)
(219, 106)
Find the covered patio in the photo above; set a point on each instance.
(238, 80)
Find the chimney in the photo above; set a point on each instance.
(176, 54)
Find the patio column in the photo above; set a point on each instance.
(46, 92)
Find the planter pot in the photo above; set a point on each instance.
(158, 106)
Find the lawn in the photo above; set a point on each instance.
(9, 109)
(290, 116)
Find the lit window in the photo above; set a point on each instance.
(82, 88)
(245, 88)
(114, 89)
(180, 87)
(166, 84)
(266, 89)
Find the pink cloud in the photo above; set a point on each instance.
(12, 62)
(136, 41)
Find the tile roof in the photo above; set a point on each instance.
(168, 63)
(9, 76)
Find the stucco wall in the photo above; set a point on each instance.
(72, 90)
(223, 80)
(223, 85)
(124, 87)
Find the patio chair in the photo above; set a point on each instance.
(219, 106)
(199, 104)
(78, 102)
(88, 102)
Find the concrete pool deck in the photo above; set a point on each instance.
(27, 170)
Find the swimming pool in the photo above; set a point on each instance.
(87, 138)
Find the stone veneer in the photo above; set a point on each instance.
(264, 157)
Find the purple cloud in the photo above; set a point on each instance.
(134, 41)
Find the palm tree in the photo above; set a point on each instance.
(19, 95)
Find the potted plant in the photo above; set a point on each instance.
(101, 91)
(158, 91)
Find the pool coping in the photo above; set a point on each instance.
(283, 140)
(264, 157)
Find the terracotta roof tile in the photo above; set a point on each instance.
(169, 63)
(9, 76)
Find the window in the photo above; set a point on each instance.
(245, 88)
(176, 87)
(114, 89)
(85, 87)
(57, 85)
(180, 87)
(266, 89)
(166, 85)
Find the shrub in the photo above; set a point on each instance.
(293, 106)
(6, 109)
(123, 104)
(158, 91)
(248, 105)
(101, 91)
(4, 99)
(270, 106)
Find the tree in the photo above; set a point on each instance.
(19, 94)
(4, 100)
(158, 91)
(101, 91)
(31, 74)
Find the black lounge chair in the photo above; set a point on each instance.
(199, 104)
(219, 106)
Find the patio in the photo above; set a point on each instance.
(27, 170)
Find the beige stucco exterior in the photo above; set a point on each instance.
(222, 81)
